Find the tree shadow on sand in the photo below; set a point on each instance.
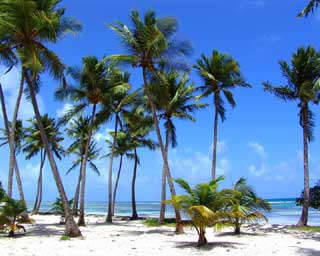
(232, 234)
(45, 230)
(207, 247)
(307, 252)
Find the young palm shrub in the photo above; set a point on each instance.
(78, 131)
(243, 205)
(173, 96)
(302, 87)
(26, 27)
(34, 146)
(221, 74)
(11, 215)
(204, 205)
(152, 43)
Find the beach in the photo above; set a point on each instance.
(135, 238)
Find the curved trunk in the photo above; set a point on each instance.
(303, 221)
(133, 188)
(81, 221)
(36, 202)
(179, 226)
(215, 140)
(18, 178)
(163, 187)
(12, 134)
(71, 228)
(116, 185)
(109, 216)
(40, 184)
(77, 194)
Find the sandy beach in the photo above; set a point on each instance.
(135, 238)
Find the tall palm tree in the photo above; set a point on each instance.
(138, 126)
(311, 6)
(89, 92)
(151, 43)
(220, 74)
(34, 146)
(173, 96)
(78, 131)
(301, 78)
(26, 27)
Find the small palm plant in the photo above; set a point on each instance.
(11, 215)
(243, 205)
(204, 205)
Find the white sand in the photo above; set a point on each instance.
(134, 238)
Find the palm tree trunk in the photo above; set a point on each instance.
(81, 221)
(179, 226)
(12, 134)
(40, 184)
(305, 207)
(116, 185)
(109, 216)
(6, 123)
(163, 187)
(77, 193)
(133, 188)
(215, 140)
(36, 202)
(202, 238)
(71, 228)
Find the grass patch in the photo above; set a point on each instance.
(307, 228)
(64, 238)
(153, 222)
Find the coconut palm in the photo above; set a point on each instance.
(301, 78)
(244, 206)
(26, 27)
(138, 125)
(151, 43)
(173, 96)
(312, 5)
(220, 74)
(204, 205)
(78, 131)
(34, 146)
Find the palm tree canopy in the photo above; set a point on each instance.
(150, 42)
(173, 96)
(26, 26)
(220, 74)
(33, 142)
(302, 82)
(312, 5)
(19, 136)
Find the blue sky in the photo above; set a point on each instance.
(260, 140)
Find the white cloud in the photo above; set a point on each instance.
(104, 135)
(258, 149)
(257, 172)
(65, 109)
(222, 147)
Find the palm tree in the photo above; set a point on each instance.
(78, 131)
(173, 96)
(138, 125)
(312, 5)
(243, 205)
(34, 145)
(203, 204)
(26, 27)
(301, 86)
(220, 74)
(89, 92)
(151, 44)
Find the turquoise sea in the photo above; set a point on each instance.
(284, 211)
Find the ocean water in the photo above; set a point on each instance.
(284, 211)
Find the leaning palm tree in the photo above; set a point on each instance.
(138, 126)
(173, 96)
(204, 205)
(26, 26)
(301, 86)
(89, 92)
(151, 43)
(220, 74)
(78, 131)
(34, 146)
(312, 5)
(244, 206)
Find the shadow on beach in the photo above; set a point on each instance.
(207, 247)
